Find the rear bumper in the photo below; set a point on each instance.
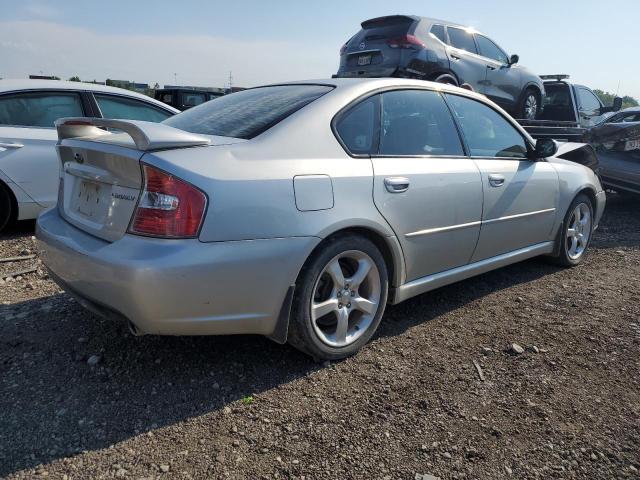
(175, 287)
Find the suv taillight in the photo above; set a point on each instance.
(407, 41)
(168, 207)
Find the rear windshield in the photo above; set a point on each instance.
(248, 113)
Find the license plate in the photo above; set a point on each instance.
(88, 199)
(364, 60)
(632, 145)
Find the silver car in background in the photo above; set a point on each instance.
(298, 211)
(28, 109)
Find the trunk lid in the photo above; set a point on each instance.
(100, 175)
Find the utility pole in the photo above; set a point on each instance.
(175, 78)
(230, 81)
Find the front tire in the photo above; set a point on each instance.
(340, 297)
(575, 235)
(530, 105)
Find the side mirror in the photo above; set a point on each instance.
(514, 59)
(617, 104)
(545, 148)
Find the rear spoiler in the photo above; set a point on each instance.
(146, 135)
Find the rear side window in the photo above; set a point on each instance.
(40, 109)
(248, 113)
(438, 32)
(488, 134)
(112, 106)
(461, 39)
(417, 122)
(357, 127)
(491, 50)
(193, 99)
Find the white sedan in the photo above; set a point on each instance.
(28, 109)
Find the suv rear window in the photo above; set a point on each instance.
(461, 39)
(248, 113)
(438, 32)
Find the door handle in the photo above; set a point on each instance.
(396, 184)
(491, 67)
(455, 57)
(11, 145)
(496, 180)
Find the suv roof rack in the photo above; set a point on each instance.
(557, 76)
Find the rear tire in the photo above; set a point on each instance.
(7, 213)
(529, 108)
(446, 79)
(340, 297)
(575, 234)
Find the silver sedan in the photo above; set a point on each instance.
(298, 211)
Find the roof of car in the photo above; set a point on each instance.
(631, 109)
(17, 85)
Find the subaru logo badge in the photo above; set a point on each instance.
(362, 45)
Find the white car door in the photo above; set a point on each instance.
(28, 137)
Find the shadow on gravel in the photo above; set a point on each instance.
(620, 224)
(19, 229)
(55, 404)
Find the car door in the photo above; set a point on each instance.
(464, 60)
(588, 107)
(502, 84)
(28, 137)
(520, 196)
(127, 108)
(424, 185)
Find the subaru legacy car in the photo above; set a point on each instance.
(28, 109)
(429, 49)
(298, 211)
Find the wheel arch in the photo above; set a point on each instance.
(530, 86)
(442, 72)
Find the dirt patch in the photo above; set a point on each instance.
(81, 397)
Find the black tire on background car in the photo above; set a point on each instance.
(7, 213)
(530, 104)
(575, 234)
(340, 297)
(446, 79)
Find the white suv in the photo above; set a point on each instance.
(28, 161)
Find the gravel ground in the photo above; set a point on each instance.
(81, 398)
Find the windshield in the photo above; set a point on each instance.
(248, 113)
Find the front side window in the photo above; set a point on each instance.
(417, 122)
(491, 50)
(112, 106)
(248, 113)
(438, 32)
(461, 39)
(39, 109)
(357, 127)
(588, 101)
(488, 134)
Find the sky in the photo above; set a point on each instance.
(200, 42)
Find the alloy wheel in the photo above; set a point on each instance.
(530, 107)
(345, 298)
(579, 231)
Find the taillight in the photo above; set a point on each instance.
(407, 41)
(168, 207)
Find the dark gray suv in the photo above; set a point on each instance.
(417, 47)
